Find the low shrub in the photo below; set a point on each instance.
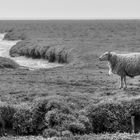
(23, 122)
(55, 113)
(43, 106)
(7, 112)
(58, 120)
(112, 117)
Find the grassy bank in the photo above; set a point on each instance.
(53, 50)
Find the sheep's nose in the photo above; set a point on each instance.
(100, 58)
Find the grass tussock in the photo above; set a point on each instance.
(8, 63)
(52, 50)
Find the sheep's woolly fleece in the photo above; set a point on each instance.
(123, 64)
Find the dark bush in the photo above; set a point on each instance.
(39, 111)
(7, 112)
(112, 117)
(58, 120)
(23, 122)
(41, 107)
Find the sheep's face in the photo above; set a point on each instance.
(105, 56)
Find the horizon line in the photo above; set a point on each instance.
(105, 18)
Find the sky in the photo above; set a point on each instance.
(69, 9)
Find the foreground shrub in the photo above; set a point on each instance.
(7, 112)
(112, 117)
(56, 114)
(58, 120)
(50, 133)
(23, 122)
(42, 106)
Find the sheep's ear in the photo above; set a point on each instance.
(109, 55)
(109, 52)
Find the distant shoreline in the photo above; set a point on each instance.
(80, 19)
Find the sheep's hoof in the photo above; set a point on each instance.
(120, 87)
(124, 88)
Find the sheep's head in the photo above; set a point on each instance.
(105, 56)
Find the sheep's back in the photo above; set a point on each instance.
(131, 64)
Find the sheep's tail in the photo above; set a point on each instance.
(25, 68)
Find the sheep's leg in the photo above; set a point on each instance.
(121, 86)
(125, 85)
(110, 70)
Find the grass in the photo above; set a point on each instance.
(8, 63)
(116, 136)
(83, 81)
(23, 138)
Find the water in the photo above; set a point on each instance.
(23, 61)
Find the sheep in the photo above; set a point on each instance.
(122, 65)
